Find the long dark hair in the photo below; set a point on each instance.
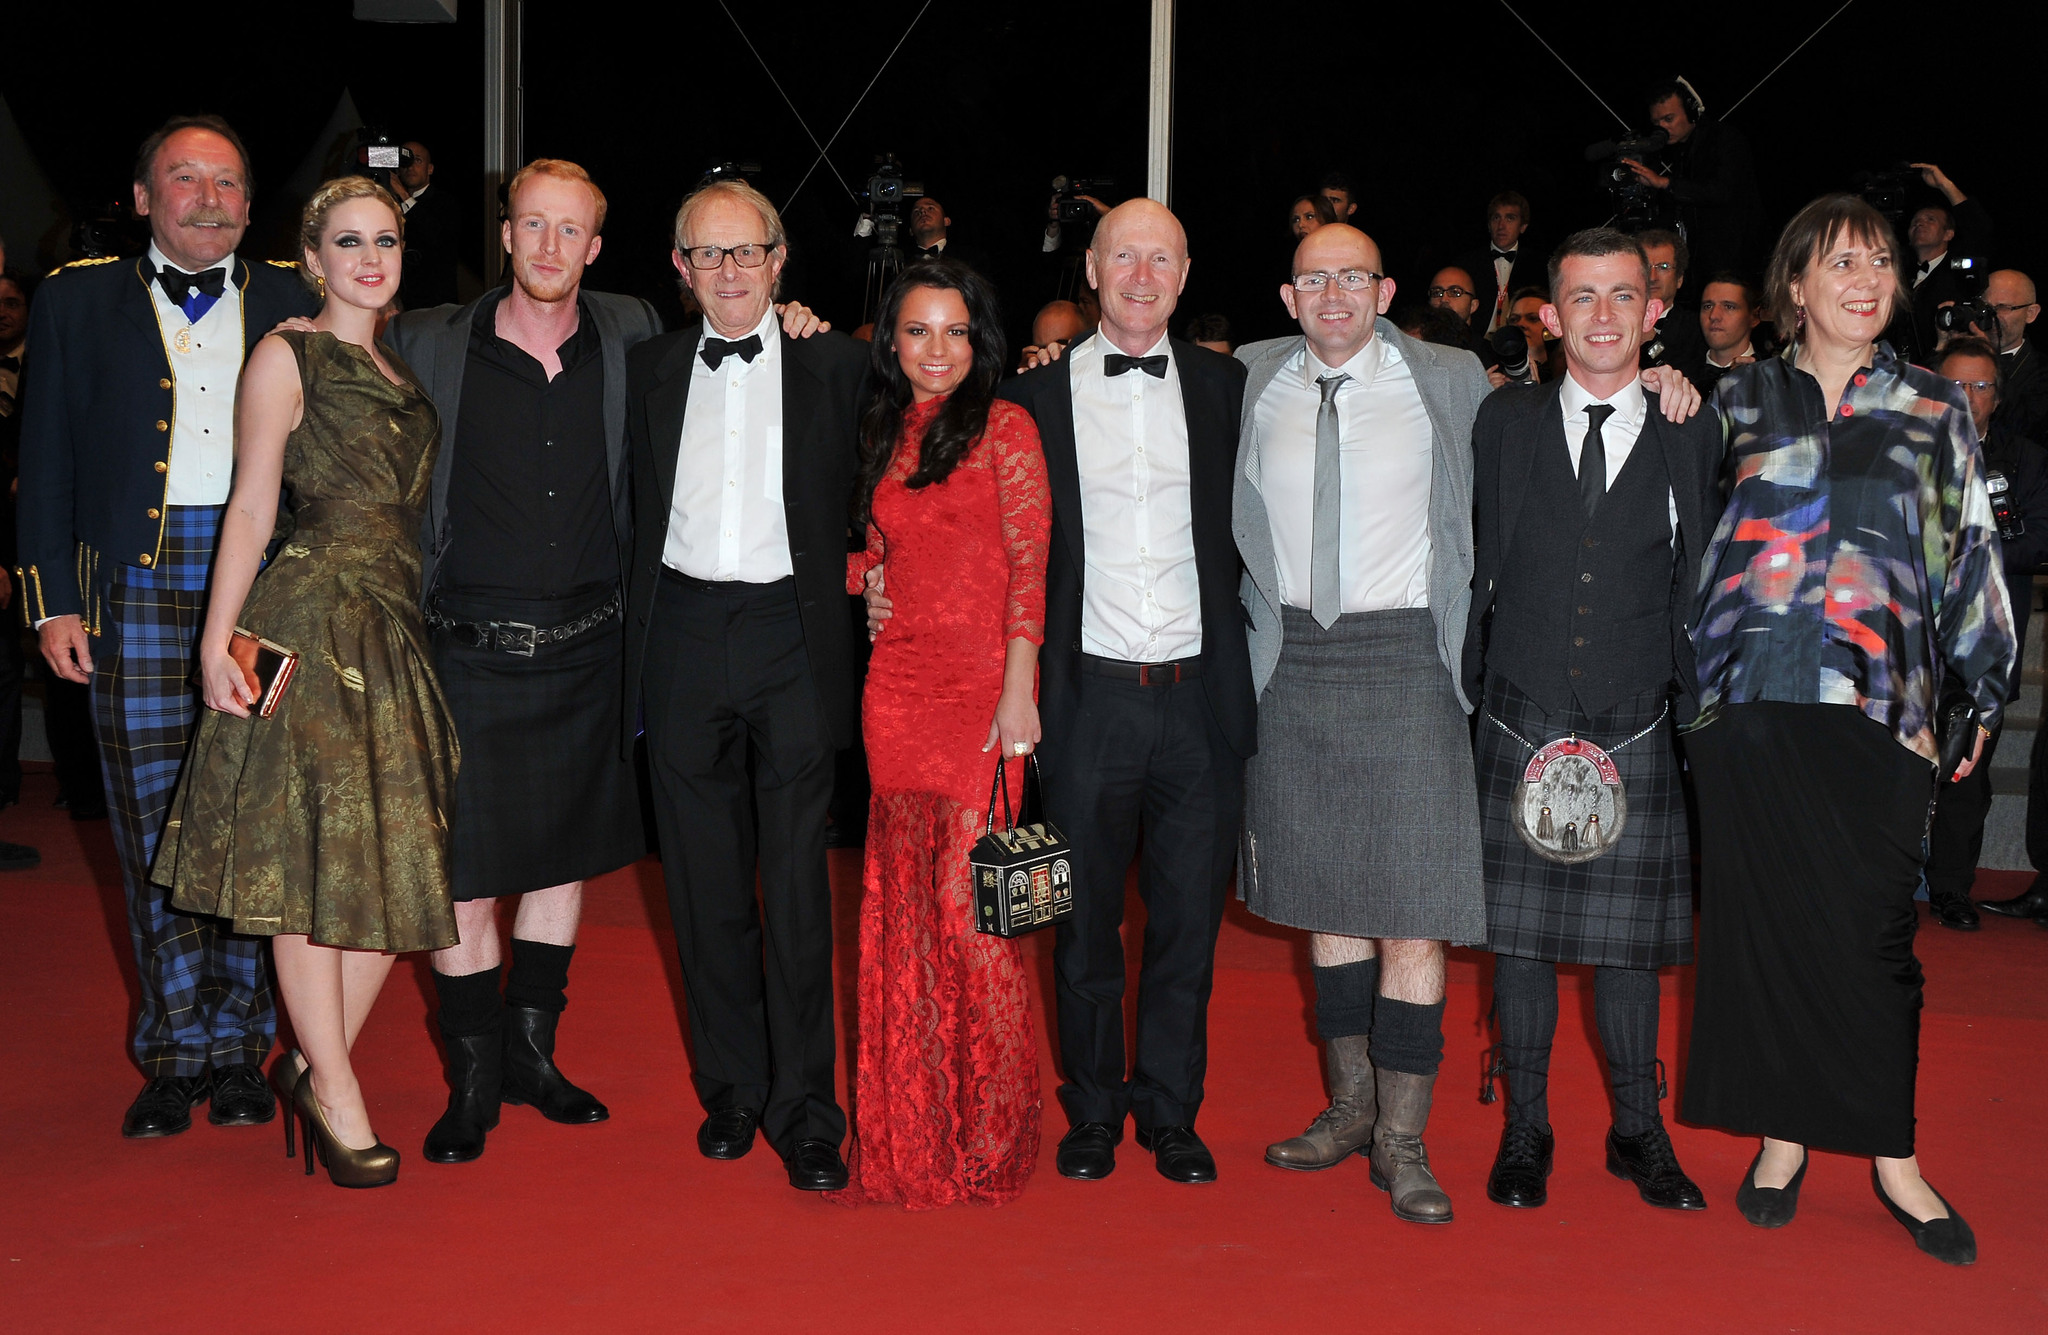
(963, 418)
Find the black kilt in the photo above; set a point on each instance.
(543, 797)
(1629, 908)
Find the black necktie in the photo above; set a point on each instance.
(177, 284)
(1593, 458)
(1116, 364)
(717, 350)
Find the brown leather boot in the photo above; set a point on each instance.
(1345, 1127)
(1400, 1162)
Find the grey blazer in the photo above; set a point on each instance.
(435, 344)
(1452, 383)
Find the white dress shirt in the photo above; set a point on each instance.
(1735, 355)
(1503, 265)
(1385, 449)
(726, 521)
(1141, 599)
(1934, 266)
(206, 364)
(1618, 434)
(405, 205)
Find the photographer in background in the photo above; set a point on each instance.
(2023, 404)
(1677, 341)
(1730, 312)
(1497, 270)
(1939, 234)
(1706, 173)
(428, 276)
(2016, 472)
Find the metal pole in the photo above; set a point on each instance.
(504, 117)
(1159, 135)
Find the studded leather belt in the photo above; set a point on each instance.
(518, 637)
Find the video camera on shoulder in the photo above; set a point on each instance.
(378, 156)
(1067, 192)
(1636, 202)
(1888, 190)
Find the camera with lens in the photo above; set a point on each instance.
(886, 190)
(378, 156)
(1636, 202)
(1888, 190)
(1970, 273)
(2010, 525)
(1510, 344)
(1067, 192)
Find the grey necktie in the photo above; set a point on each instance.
(1593, 458)
(1325, 589)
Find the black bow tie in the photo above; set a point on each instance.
(717, 350)
(10, 363)
(931, 253)
(1507, 255)
(1116, 364)
(177, 284)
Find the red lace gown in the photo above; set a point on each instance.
(946, 1102)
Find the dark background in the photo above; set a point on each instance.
(986, 102)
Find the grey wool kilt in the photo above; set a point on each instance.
(1631, 907)
(543, 797)
(1359, 810)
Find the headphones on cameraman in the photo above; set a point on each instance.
(1689, 99)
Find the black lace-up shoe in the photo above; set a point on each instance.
(1522, 1167)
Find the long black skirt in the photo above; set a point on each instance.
(544, 796)
(1806, 1025)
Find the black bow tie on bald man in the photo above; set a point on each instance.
(1116, 364)
(717, 350)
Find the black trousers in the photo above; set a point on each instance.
(741, 762)
(1150, 760)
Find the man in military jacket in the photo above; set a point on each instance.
(127, 450)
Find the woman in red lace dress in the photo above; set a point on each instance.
(946, 1101)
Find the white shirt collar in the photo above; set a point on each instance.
(1628, 401)
(157, 258)
(1363, 366)
(768, 330)
(1102, 347)
(1747, 349)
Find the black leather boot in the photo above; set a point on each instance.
(531, 1075)
(476, 1067)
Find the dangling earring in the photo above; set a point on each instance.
(1799, 314)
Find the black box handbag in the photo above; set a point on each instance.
(1024, 873)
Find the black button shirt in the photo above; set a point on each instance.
(529, 497)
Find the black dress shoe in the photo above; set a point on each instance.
(1178, 1153)
(476, 1080)
(18, 857)
(164, 1107)
(1769, 1207)
(1088, 1150)
(2032, 904)
(1522, 1166)
(815, 1165)
(1953, 910)
(531, 1075)
(1649, 1161)
(1948, 1239)
(241, 1096)
(728, 1133)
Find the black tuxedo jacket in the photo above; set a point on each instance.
(823, 390)
(1683, 344)
(96, 421)
(1517, 422)
(428, 278)
(1528, 268)
(1212, 391)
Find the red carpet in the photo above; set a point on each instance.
(624, 1227)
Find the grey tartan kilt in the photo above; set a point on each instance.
(1359, 818)
(1630, 907)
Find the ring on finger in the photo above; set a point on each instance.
(1020, 748)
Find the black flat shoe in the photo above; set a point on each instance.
(164, 1107)
(1769, 1207)
(728, 1133)
(1948, 1240)
(1953, 911)
(1178, 1153)
(1649, 1161)
(241, 1097)
(1088, 1151)
(1521, 1167)
(2032, 904)
(816, 1166)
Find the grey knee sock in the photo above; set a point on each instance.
(1344, 998)
(1625, 1004)
(1525, 1001)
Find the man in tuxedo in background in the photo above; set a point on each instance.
(1144, 690)
(744, 444)
(1499, 269)
(931, 236)
(127, 451)
(428, 278)
(1730, 315)
(1956, 227)
(1677, 341)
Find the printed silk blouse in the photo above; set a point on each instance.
(1857, 560)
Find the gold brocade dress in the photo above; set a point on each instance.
(330, 817)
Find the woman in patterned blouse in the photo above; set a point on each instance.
(1853, 580)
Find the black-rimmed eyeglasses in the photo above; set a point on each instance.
(752, 255)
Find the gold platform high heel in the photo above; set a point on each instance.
(373, 1167)
(284, 1080)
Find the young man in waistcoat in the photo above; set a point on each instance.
(1591, 514)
